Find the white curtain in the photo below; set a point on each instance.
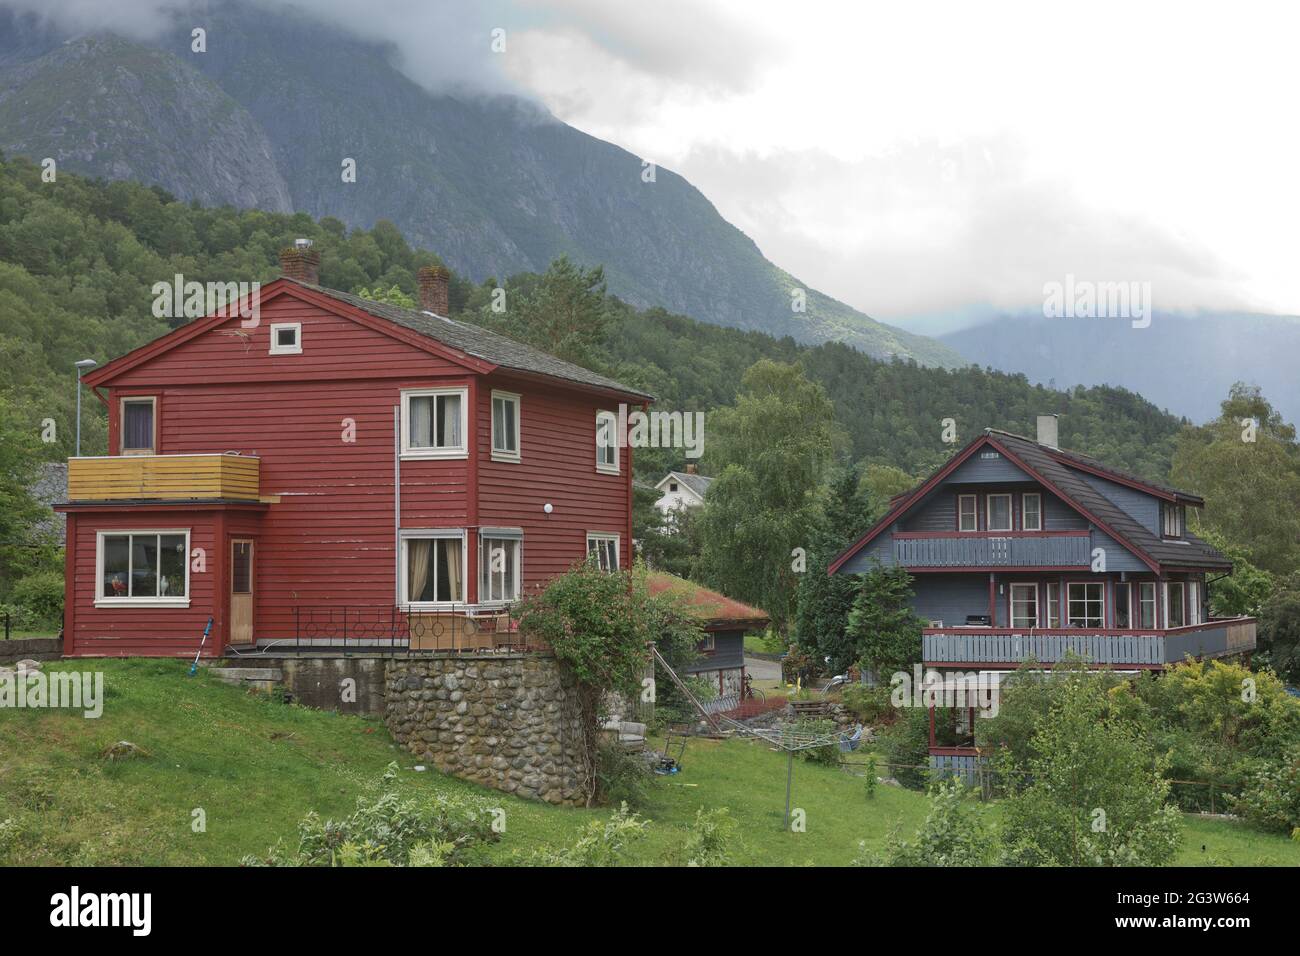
(421, 424)
(451, 421)
(451, 554)
(417, 568)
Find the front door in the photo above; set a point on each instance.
(241, 591)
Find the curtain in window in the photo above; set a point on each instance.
(451, 555)
(138, 428)
(417, 568)
(420, 410)
(450, 431)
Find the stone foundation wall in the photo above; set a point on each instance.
(30, 648)
(511, 723)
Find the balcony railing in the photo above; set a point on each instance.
(1150, 648)
(164, 478)
(1044, 549)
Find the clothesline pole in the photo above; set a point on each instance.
(789, 780)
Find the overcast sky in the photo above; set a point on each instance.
(917, 159)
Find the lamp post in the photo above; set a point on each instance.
(83, 366)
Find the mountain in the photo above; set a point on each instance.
(495, 186)
(1185, 363)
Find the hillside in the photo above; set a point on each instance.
(497, 186)
(1184, 363)
(78, 258)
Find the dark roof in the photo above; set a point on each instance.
(697, 483)
(477, 341)
(1192, 553)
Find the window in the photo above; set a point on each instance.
(1175, 593)
(607, 442)
(605, 549)
(967, 513)
(1024, 605)
(1031, 512)
(999, 512)
(1122, 616)
(1085, 604)
(143, 568)
(505, 426)
(1146, 604)
(1173, 520)
(286, 338)
(433, 565)
(241, 567)
(672, 486)
(434, 423)
(1053, 604)
(500, 566)
(708, 645)
(138, 429)
(1194, 602)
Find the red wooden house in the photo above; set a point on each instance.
(341, 454)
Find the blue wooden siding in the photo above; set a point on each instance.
(979, 469)
(1118, 557)
(950, 597)
(1126, 649)
(1140, 506)
(962, 766)
(728, 653)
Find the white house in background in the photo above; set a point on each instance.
(682, 489)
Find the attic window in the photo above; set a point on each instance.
(672, 486)
(1174, 519)
(286, 338)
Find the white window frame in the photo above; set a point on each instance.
(1011, 602)
(516, 401)
(121, 425)
(1169, 593)
(1173, 515)
(513, 536)
(974, 512)
(277, 348)
(605, 468)
(1052, 596)
(1024, 511)
(1070, 600)
(155, 601)
(1141, 601)
(709, 644)
(427, 534)
(1194, 602)
(988, 512)
(602, 537)
(460, 451)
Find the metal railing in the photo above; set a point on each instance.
(393, 629)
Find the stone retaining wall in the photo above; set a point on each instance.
(511, 722)
(30, 648)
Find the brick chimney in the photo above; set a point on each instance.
(690, 468)
(434, 292)
(300, 261)
(1047, 431)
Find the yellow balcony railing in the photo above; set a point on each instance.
(163, 478)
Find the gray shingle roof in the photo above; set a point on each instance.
(1193, 553)
(478, 342)
(697, 483)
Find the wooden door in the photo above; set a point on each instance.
(241, 591)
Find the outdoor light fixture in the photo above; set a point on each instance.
(548, 507)
(84, 365)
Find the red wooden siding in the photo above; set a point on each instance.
(328, 541)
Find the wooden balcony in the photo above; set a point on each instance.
(164, 478)
(990, 646)
(983, 549)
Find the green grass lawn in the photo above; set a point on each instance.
(254, 766)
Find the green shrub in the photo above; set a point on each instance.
(828, 754)
(868, 705)
(388, 829)
(601, 844)
(41, 596)
(622, 777)
(952, 835)
(906, 746)
(710, 839)
(1271, 796)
